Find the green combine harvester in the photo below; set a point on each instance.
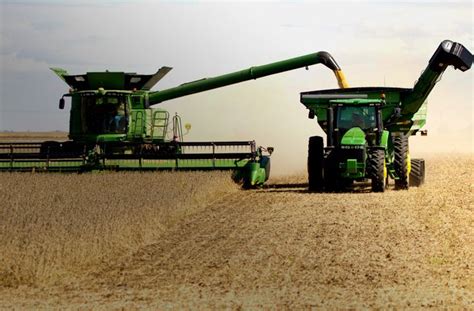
(114, 126)
(367, 128)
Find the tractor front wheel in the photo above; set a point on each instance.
(332, 181)
(377, 170)
(315, 163)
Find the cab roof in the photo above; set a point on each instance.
(111, 80)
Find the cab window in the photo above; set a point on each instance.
(104, 114)
(355, 116)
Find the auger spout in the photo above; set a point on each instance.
(447, 54)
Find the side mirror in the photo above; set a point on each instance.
(61, 103)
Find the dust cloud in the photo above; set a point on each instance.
(268, 111)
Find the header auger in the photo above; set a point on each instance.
(367, 128)
(114, 126)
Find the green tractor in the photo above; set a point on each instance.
(368, 128)
(113, 125)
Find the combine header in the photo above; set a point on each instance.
(113, 126)
(368, 128)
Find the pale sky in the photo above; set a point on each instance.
(375, 43)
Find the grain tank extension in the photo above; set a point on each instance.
(114, 125)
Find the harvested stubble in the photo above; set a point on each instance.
(53, 227)
(195, 241)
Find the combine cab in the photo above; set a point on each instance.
(114, 126)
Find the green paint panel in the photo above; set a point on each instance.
(351, 169)
(354, 136)
(351, 166)
(384, 139)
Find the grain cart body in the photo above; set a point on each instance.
(367, 128)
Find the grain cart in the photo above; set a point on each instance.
(367, 128)
(113, 125)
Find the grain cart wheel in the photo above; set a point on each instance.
(377, 170)
(315, 163)
(417, 173)
(402, 161)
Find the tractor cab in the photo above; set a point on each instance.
(349, 117)
(356, 121)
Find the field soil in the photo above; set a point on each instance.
(197, 241)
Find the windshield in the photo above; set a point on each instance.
(356, 116)
(104, 114)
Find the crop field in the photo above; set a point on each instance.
(196, 240)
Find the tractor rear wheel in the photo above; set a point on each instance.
(315, 163)
(401, 161)
(377, 170)
(417, 173)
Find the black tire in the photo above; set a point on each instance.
(401, 161)
(417, 173)
(376, 168)
(332, 183)
(315, 163)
